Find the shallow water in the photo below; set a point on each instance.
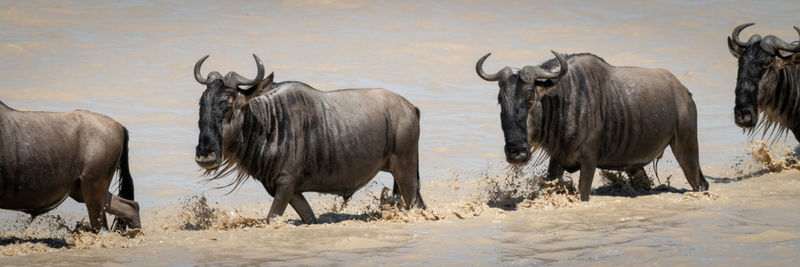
(132, 60)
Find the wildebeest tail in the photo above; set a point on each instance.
(419, 182)
(420, 202)
(125, 179)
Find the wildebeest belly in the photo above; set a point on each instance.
(33, 194)
(353, 159)
(341, 182)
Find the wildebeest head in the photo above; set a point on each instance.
(518, 92)
(221, 98)
(757, 57)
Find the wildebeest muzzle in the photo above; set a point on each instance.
(517, 153)
(745, 117)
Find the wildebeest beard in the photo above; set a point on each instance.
(778, 99)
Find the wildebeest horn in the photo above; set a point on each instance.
(772, 44)
(483, 75)
(197, 76)
(529, 74)
(738, 29)
(232, 79)
(235, 80)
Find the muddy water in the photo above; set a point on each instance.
(132, 60)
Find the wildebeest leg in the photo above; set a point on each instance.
(395, 190)
(406, 176)
(684, 147)
(587, 175)
(796, 151)
(94, 191)
(420, 202)
(300, 205)
(554, 171)
(284, 192)
(128, 210)
(639, 180)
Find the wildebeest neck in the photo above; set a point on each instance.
(256, 137)
(573, 104)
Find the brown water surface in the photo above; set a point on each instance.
(132, 60)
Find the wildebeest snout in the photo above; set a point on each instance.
(206, 153)
(745, 117)
(207, 161)
(517, 153)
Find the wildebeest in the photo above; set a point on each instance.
(589, 114)
(768, 82)
(46, 157)
(294, 139)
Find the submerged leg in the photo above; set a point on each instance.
(639, 180)
(301, 206)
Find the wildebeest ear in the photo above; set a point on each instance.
(545, 86)
(262, 87)
(784, 61)
(734, 48)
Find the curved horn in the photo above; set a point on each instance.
(738, 29)
(260, 74)
(197, 75)
(483, 75)
(233, 79)
(564, 67)
(772, 44)
(530, 74)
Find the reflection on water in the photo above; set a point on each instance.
(132, 60)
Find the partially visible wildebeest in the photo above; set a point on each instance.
(768, 82)
(294, 139)
(588, 114)
(47, 156)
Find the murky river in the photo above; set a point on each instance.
(132, 60)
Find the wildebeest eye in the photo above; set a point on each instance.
(225, 101)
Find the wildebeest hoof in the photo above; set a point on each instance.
(103, 231)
